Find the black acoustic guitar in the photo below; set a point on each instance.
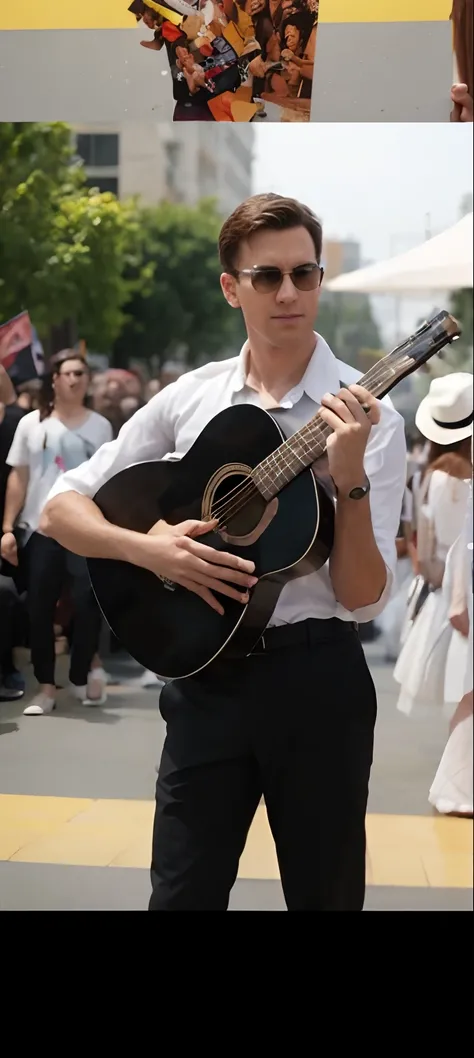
(272, 506)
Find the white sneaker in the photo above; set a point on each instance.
(97, 681)
(40, 706)
(147, 679)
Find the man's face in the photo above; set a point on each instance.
(286, 315)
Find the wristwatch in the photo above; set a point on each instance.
(359, 491)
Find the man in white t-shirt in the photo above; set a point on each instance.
(58, 437)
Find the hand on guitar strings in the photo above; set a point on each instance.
(174, 553)
(351, 413)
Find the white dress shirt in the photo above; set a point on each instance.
(169, 424)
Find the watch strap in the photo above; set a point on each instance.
(358, 492)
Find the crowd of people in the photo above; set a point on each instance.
(47, 604)
(427, 627)
(226, 58)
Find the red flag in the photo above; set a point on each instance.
(15, 335)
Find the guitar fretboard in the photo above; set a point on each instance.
(308, 444)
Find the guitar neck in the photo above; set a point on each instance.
(308, 444)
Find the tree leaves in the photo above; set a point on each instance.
(177, 307)
(62, 246)
(143, 282)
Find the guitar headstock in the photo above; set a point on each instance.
(430, 338)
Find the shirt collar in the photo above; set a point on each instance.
(321, 375)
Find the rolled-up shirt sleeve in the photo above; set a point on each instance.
(386, 468)
(147, 435)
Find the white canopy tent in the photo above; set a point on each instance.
(443, 263)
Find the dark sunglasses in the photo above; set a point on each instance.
(267, 280)
(75, 373)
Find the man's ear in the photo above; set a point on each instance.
(230, 290)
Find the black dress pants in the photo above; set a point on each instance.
(293, 724)
(48, 565)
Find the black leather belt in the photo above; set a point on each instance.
(308, 632)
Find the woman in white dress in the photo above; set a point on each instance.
(391, 620)
(444, 417)
(451, 792)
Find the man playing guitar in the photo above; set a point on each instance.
(294, 721)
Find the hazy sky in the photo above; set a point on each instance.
(384, 185)
(375, 183)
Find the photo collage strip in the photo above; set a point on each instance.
(228, 59)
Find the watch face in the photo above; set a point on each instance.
(358, 493)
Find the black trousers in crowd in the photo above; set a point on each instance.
(293, 723)
(48, 566)
(12, 624)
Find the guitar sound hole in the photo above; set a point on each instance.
(238, 505)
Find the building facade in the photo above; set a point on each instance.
(340, 255)
(183, 163)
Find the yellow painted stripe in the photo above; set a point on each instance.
(113, 14)
(65, 14)
(384, 10)
(420, 851)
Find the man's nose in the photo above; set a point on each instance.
(287, 291)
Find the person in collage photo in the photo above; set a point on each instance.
(227, 59)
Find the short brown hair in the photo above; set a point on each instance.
(270, 212)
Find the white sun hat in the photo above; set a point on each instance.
(445, 415)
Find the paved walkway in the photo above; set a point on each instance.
(76, 810)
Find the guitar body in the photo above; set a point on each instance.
(168, 629)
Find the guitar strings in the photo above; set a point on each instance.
(243, 492)
(246, 490)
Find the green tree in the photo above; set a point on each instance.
(95, 242)
(63, 247)
(462, 310)
(177, 310)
